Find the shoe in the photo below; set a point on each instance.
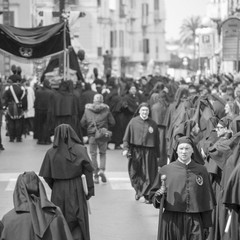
(11, 140)
(118, 147)
(137, 197)
(19, 140)
(2, 148)
(103, 177)
(147, 202)
(96, 179)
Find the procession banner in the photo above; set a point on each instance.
(33, 43)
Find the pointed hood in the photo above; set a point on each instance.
(30, 196)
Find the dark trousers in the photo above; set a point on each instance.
(15, 128)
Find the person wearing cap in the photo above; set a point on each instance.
(189, 198)
(217, 154)
(97, 115)
(141, 146)
(15, 102)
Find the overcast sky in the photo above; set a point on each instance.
(177, 10)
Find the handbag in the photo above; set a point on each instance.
(102, 134)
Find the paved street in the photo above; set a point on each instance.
(115, 213)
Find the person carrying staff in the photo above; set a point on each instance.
(189, 198)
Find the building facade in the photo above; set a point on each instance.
(219, 11)
(132, 31)
(16, 13)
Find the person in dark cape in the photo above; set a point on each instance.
(230, 183)
(218, 104)
(231, 199)
(129, 104)
(189, 198)
(141, 145)
(33, 215)
(43, 113)
(158, 112)
(66, 108)
(113, 100)
(216, 155)
(175, 114)
(62, 168)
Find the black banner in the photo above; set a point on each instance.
(32, 43)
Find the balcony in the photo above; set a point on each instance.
(157, 17)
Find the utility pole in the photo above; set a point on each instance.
(61, 9)
(6, 21)
(61, 57)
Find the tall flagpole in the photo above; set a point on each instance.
(65, 51)
(64, 17)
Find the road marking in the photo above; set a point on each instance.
(117, 180)
(11, 184)
(121, 186)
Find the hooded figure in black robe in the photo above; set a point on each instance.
(43, 112)
(62, 168)
(158, 112)
(231, 199)
(224, 154)
(66, 108)
(176, 113)
(33, 215)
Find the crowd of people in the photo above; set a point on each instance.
(181, 139)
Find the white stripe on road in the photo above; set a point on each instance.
(117, 180)
(11, 184)
(121, 186)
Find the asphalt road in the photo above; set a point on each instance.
(115, 214)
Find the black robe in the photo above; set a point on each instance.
(62, 168)
(231, 199)
(141, 138)
(43, 122)
(33, 216)
(188, 203)
(158, 112)
(65, 108)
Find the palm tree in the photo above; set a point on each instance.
(188, 32)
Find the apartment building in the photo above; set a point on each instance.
(133, 31)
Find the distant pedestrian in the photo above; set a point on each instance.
(29, 114)
(43, 122)
(141, 145)
(97, 115)
(65, 107)
(15, 101)
(62, 168)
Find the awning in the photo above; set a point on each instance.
(32, 43)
